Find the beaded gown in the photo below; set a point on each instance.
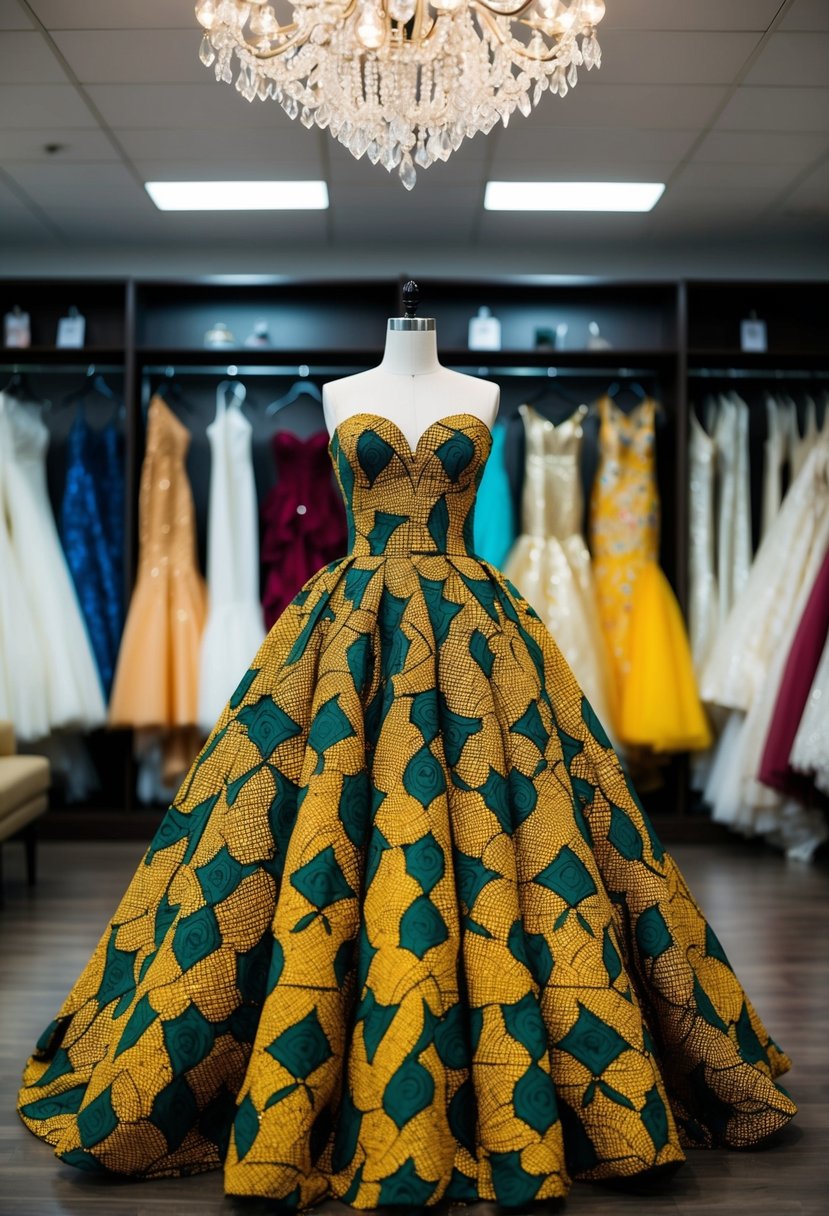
(406, 933)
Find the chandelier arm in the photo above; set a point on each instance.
(291, 43)
(484, 6)
(517, 48)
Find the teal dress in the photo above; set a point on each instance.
(494, 527)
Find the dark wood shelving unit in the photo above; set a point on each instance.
(667, 332)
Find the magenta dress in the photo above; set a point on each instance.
(798, 677)
(303, 520)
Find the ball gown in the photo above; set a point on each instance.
(550, 562)
(406, 933)
(656, 703)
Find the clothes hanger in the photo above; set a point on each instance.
(170, 391)
(300, 388)
(20, 388)
(238, 394)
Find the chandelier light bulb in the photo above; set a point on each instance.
(593, 10)
(371, 30)
(206, 14)
(401, 82)
(401, 10)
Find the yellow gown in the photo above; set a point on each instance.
(656, 702)
(406, 934)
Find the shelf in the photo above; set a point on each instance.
(767, 358)
(199, 357)
(49, 355)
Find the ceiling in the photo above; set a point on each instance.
(727, 101)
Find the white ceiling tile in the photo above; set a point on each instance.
(9, 200)
(435, 226)
(762, 147)
(526, 142)
(37, 107)
(507, 228)
(22, 225)
(211, 170)
(134, 56)
(646, 57)
(690, 14)
(779, 109)
(27, 59)
(716, 178)
(183, 105)
(658, 107)
(807, 15)
(87, 186)
(578, 171)
(115, 14)
(280, 147)
(74, 146)
(135, 227)
(792, 59)
(811, 195)
(13, 16)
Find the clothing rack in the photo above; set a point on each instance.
(757, 373)
(305, 371)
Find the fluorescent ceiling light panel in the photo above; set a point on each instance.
(238, 196)
(572, 196)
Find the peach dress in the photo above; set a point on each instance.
(156, 679)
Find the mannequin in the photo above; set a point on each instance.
(410, 386)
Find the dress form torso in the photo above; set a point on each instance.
(410, 387)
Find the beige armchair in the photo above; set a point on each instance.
(24, 796)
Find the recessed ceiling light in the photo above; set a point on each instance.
(238, 196)
(572, 196)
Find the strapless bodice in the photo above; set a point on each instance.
(399, 502)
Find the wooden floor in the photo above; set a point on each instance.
(772, 918)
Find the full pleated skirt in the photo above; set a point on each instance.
(405, 934)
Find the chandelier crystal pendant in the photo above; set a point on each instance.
(402, 82)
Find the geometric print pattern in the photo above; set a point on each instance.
(406, 933)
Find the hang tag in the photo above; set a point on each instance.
(753, 336)
(71, 331)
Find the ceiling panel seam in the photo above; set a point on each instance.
(82, 93)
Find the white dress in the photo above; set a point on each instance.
(44, 613)
(716, 771)
(780, 417)
(734, 549)
(234, 629)
(746, 665)
(703, 615)
(550, 562)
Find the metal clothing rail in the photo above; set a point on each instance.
(757, 373)
(305, 371)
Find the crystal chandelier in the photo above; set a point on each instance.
(402, 82)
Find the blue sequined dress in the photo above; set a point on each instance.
(92, 532)
(494, 527)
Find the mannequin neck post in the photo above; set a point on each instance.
(411, 352)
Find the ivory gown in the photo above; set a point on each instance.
(550, 562)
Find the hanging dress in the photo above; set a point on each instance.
(703, 603)
(234, 629)
(550, 563)
(651, 665)
(779, 421)
(745, 668)
(156, 679)
(303, 525)
(92, 533)
(494, 528)
(406, 934)
(795, 688)
(52, 619)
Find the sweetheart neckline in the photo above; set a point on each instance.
(413, 454)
